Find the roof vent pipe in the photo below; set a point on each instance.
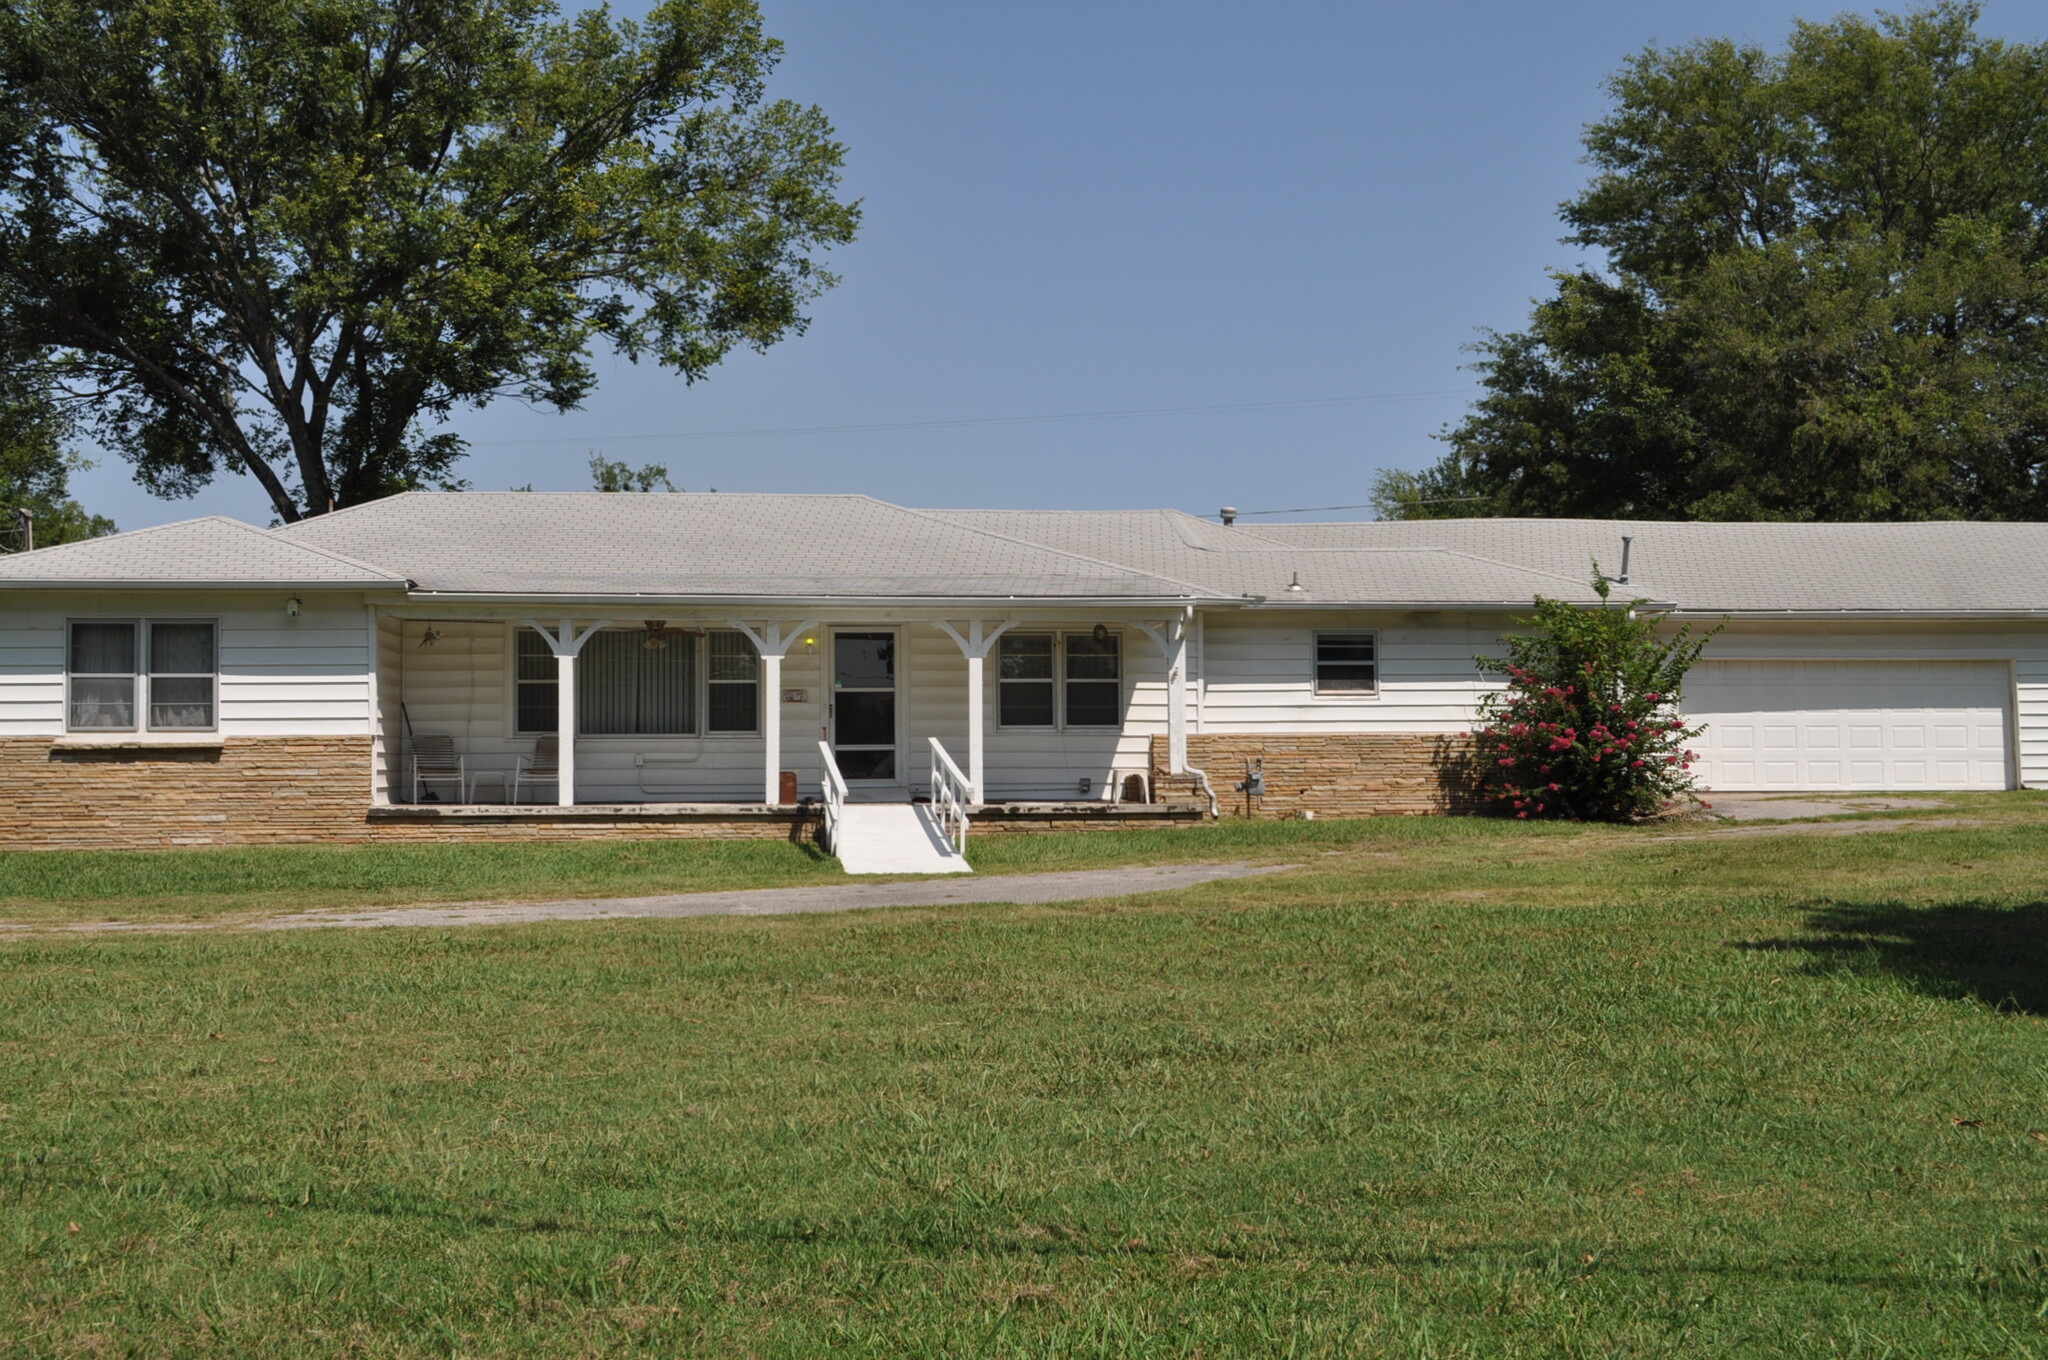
(1626, 540)
(1228, 514)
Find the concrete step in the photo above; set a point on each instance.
(895, 838)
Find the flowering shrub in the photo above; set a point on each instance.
(1587, 725)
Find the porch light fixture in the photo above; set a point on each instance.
(291, 607)
(653, 642)
(429, 636)
(1101, 635)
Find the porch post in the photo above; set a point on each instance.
(1172, 640)
(771, 727)
(565, 642)
(975, 647)
(773, 644)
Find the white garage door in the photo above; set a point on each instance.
(1851, 724)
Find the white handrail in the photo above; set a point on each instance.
(951, 793)
(835, 796)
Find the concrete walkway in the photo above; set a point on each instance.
(1079, 885)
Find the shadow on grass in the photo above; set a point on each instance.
(1989, 952)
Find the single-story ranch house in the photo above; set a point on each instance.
(469, 666)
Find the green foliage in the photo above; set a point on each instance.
(1826, 293)
(288, 237)
(1439, 492)
(606, 475)
(35, 469)
(1587, 726)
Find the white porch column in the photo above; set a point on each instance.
(975, 647)
(1172, 640)
(772, 643)
(565, 642)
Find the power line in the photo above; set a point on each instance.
(1137, 414)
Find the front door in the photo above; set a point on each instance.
(864, 706)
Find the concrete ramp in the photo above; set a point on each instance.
(895, 838)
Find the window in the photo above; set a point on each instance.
(624, 687)
(1095, 690)
(536, 691)
(1073, 680)
(166, 671)
(1024, 680)
(734, 703)
(181, 675)
(1347, 664)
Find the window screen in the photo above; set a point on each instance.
(1094, 680)
(537, 692)
(1346, 663)
(1024, 681)
(102, 677)
(734, 688)
(181, 675)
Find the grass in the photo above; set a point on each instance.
(1454, 1088)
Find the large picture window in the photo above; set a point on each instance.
(1053, 680)
(1347, 664)
(163, 672)
(626, 688)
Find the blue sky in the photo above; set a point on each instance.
(1131, 205)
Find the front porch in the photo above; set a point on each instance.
(701, 717)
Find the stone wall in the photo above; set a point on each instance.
(1330, 774)
(243, 791)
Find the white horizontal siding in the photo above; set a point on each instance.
(1258, 673)
(279, 676)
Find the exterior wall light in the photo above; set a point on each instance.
(291, 607)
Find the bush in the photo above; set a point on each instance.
(1587, 726)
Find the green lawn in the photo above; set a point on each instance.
(1455, 1088)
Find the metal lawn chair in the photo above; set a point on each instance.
(542, 767)
(434, 761)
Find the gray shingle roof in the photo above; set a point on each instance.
(1939, 568)
(853, 547)
(213, 549)
(707, 545)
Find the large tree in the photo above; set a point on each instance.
(1823, 293)
(289, 238)
(35, 466)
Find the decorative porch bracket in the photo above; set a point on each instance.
(975, 647)
(773, 644)
(565, 642)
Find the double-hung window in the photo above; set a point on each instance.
(1095, 683)
(164, 673)
(635, 683)
(1347, 665)
(1052, 680)
(536, 688)
(733, 684)
(1024, 683)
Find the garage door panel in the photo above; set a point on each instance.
(1851, 724)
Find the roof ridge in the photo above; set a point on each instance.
(939, 517)
(316, 550)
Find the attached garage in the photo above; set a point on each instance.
(1859, 725)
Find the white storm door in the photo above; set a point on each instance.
(1851, 725)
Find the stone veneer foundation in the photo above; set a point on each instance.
(1350, 774)
(314, 790)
